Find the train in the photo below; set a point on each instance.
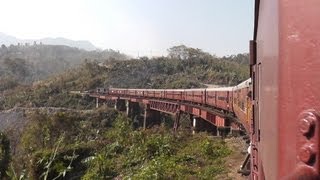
(285, 64)
(233, 100)
(283, 98)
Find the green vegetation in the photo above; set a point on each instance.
(23, 65)
(77, 145)
(165, 72)
(4, 154)
(76, 141)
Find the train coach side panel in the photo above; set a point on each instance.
(211, 97)
(188, 96)
(299, 85)
(199, 96)
(222, 100)
(266, 131)
(242, 106)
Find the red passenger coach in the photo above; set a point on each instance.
(117, 91)
(211, 97)
(140, 92)
(285, 66)
(158, 93)
(174, 94)
(223, 96)
(242, 105)
(195, 95)
(132, 92)
(149, 93)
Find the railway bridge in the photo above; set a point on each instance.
(282, 112)
(202, 113)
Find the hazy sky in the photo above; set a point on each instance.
(150, 27)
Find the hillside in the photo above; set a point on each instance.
(48, 133)
(103, 144)
(26, 64)
(162, 72)
(85, 45)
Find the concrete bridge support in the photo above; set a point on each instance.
(223, 131)
(199, 124)
(132, 109)
(194, 124)
(151, 117)
(120, 105)
(128, 108)
(176, 123)
(97, 102)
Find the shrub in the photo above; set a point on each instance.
(4, 155)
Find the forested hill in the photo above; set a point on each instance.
(23, 64)
(164, 72)
(49, 133)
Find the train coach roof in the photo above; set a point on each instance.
(199, 89)
(178, 90)
(136, 89)
(244, 84)
(220, 89)
(115, 89)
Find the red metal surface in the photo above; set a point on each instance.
(163, 106)
(265, 133)
(222, 100)
(196, 111)
(299, 44)
(132, 92)
(158, 94)
(165, 100)
(211, 98)
(219, 121)
(188, 96)
(170, 107)
(242, 105)
(286, 86)
(308, 141)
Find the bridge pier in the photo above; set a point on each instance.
(151, 117)
(176, 121)
(145, 116)
(119, 105)
(194, 124)
(199, 124)
(132, 108)
(97, 102)
(128, 108)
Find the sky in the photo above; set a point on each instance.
(135, 27)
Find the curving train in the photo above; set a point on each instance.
(281, 109)
(235, 100)
(285, 64)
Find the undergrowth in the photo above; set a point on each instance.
(76, 146)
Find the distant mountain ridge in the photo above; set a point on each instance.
(86, 45)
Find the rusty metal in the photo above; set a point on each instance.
(308, 145)
(164, 106)
(286, 82)
(307, 122)
(306, 153)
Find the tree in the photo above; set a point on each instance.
(178, 52)
(183, 52)
(3, 46)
